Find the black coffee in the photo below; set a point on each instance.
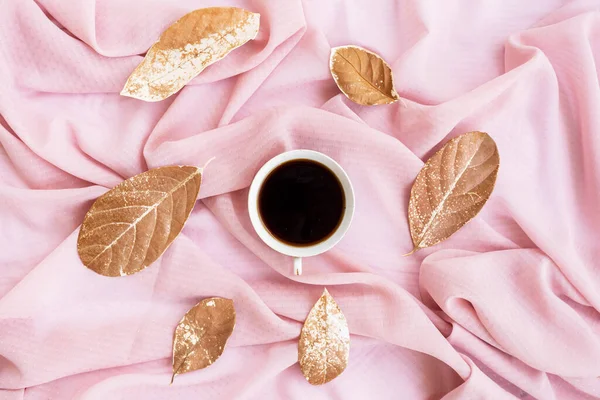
(301, 202)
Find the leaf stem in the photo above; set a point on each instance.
(208, 162)
(413, 251)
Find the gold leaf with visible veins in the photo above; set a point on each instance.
(200, 337)
(195, 41)
(324, 344)
(452, 188)
(131, 225)
(363, 76)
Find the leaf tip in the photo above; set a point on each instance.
(225, 301)
(172, 379)
(256, 17)
(125, 92)
(487, 136)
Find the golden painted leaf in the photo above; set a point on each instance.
(324, 344)
(200, 337)
(131, 225)
(362, 76)
(195, 41)
(452, 188)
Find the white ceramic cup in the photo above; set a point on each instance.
(298, 252)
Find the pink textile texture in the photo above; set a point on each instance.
(506, 308)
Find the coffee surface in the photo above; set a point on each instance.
(301, 202)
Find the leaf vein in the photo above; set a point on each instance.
(365, 79)
(145, 213)
(445, 197)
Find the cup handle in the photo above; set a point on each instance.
(297, 266)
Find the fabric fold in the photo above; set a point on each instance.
(505, 308)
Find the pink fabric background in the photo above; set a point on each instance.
(506, 308)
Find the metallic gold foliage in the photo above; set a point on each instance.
(195, 41)
(200, 337)
(363, 76)
(324, 344)
(131, 225)
(452, 188)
